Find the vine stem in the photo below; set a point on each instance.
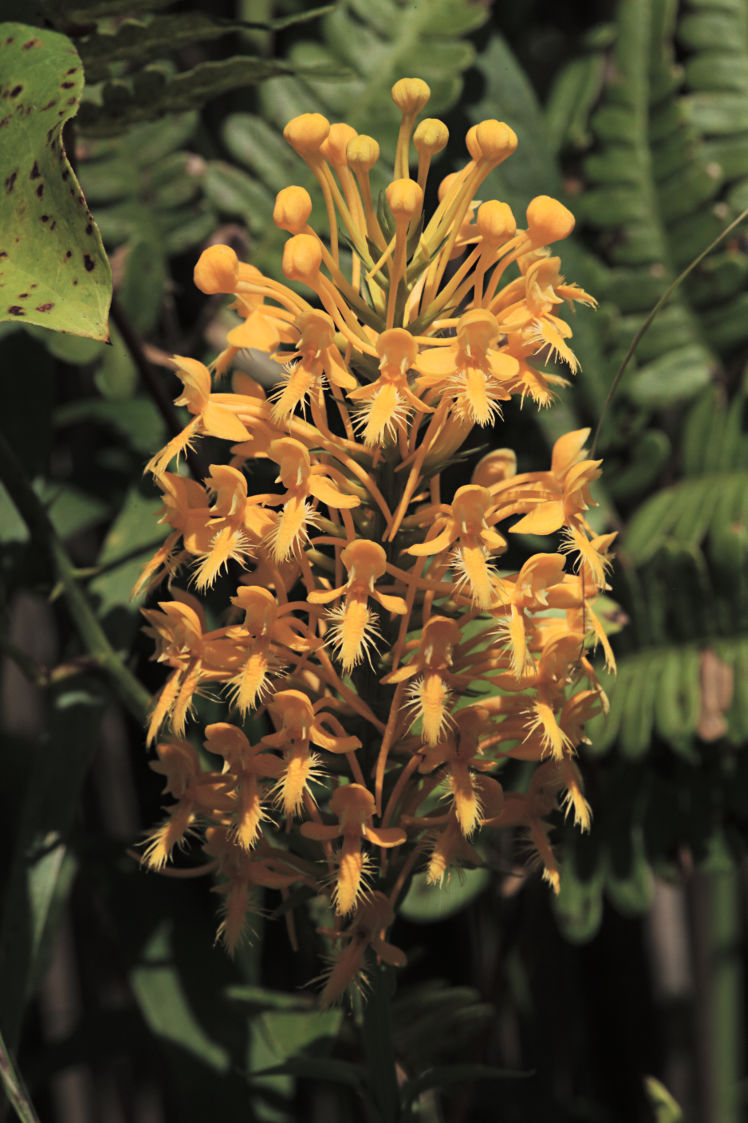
(663, 299)
(132, 693)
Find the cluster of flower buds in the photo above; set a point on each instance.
(367, 627)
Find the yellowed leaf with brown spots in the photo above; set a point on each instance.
(53, 268)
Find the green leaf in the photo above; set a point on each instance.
(116, 376)
(371, 40)
(165, 1005)
(74, 349)
(232, 191)
(136, 419)
(665, 1108)
(69, 508)
(87, 10)
(434, 1021)
(53, 269)
(131, 541)
(508, 94)
(637, 722)
(281, 1036)
(262, 149)
(646, 459)
(148, 36)
(123, 107)
(145, 279)
(676, 706)
(681, 514)
(579, 906)
(629, 884)
(424, 904)
(445, 1075)
(570, 101)
(42, 864)
(319, 1068)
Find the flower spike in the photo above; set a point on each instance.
(381, 654)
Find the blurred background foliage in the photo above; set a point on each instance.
(630, 989)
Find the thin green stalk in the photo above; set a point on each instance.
(17, 1095)
(663, 299)
(725, 1045)
(379, 1048)
(133, 695)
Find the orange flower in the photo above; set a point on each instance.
(467, 521)
(354, 807)
(471, 372)
(353, 629)
(373, 916)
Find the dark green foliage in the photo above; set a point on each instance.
(117, 58)
(661, 175)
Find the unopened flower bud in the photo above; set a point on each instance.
(548, 220)
(302, 257)
(362, 153)
(410, 95)
(495, 221)
(491, 140)
(334, 147)
(431, 136)
(405, 198)
(293, 206)
(216, 270)
(306, 133)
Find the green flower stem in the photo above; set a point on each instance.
(379, 1048)
(725, 1046)
(133, 695)
(17, 1095)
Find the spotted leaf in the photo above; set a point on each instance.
(53, 268)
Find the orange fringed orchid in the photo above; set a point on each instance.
(373, 650)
